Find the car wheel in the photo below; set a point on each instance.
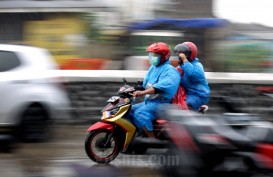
(7, 143)
(34, 125)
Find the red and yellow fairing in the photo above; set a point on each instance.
(118, 119)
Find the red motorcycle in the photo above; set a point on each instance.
(115, 133)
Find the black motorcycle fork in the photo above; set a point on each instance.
(108, 139)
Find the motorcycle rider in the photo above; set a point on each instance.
(193, 79)
(161, 83)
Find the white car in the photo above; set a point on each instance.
(30, 94)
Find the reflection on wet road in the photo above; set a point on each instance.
(64, 156)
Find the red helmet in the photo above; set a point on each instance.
(162, 49)
(188, 48)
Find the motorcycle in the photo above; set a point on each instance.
(114, 133)
(204, 145)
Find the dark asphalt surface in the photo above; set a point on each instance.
(64, 156)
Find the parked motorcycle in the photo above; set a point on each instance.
(206, 144)
(114, 133)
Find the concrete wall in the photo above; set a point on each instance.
(88, 98)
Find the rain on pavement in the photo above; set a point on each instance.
(64, 156)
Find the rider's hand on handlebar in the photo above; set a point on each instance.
(138, 93)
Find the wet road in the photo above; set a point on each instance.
(64, 156)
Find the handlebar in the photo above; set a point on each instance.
(128, 90)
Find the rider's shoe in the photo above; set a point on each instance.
(203, 109)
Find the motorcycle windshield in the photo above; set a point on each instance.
(108, 107)
(113, 105)
(113, 99)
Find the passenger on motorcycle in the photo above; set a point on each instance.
(193, 79)
(161, 83)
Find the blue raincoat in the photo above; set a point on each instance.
(164, 78)
(195, 84)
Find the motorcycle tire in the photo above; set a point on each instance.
(94, 146)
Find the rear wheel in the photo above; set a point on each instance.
(102, 146)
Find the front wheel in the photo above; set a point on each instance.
(102, 146)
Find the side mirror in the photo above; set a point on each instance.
(124, 81)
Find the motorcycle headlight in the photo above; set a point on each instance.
(114, 111)
(107, 114)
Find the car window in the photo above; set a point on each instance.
(8, 61)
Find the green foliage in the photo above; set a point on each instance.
(93, 30)
(246, 57)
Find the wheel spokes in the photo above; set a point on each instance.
(99, 146)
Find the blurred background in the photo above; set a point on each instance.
(113, 34)
(232, 36)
